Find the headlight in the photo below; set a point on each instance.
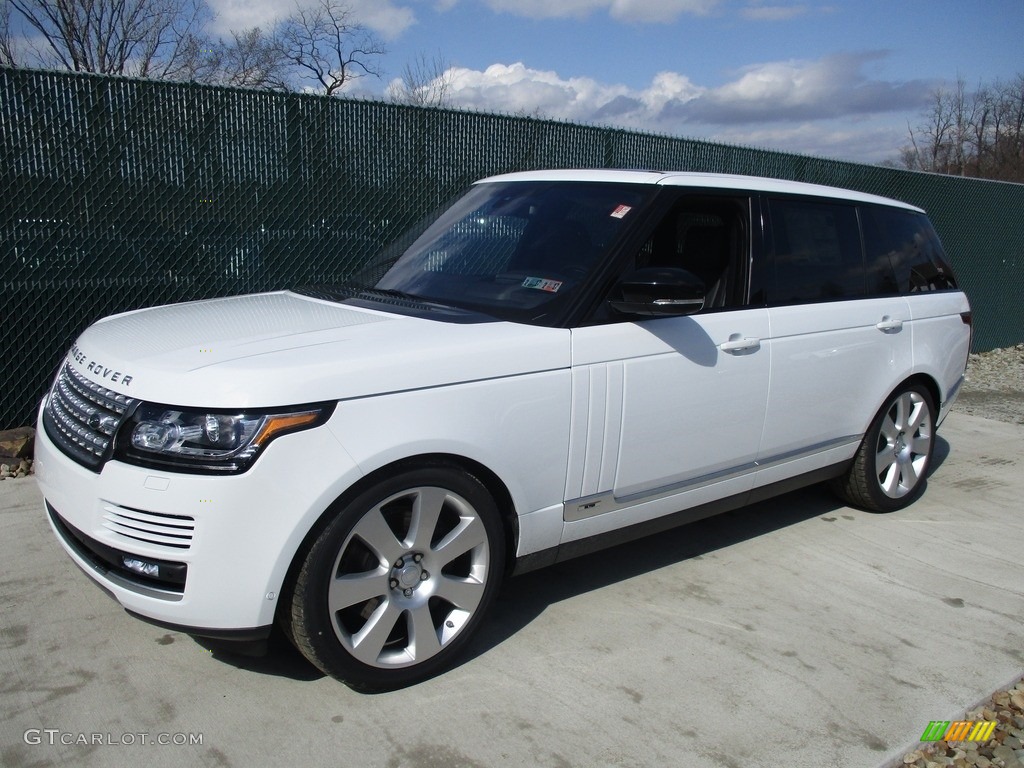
(216, 441)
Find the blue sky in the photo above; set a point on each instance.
(838, 78)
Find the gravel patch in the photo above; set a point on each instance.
(994, 387)
(1004, 750)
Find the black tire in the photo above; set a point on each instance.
(891, 465)
(394, 587)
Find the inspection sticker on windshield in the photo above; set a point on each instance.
(541, 284)
(621, 211)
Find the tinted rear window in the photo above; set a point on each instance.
(904, 252)
(817, 252)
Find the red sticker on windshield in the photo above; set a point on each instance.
(542, 284)
(621, 211)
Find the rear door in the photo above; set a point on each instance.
(840, 336)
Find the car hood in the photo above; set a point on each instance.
(275, 349)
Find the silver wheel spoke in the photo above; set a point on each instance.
(920, 445)
(892, 477)
(908, 475)
(424, 642)
(426, 511)
(889, 430)
(368, 642)
(469, 533)
(462, 593)
(902, 404)
(354, 589)
(918, 414)
(374, 531)
(884, 459)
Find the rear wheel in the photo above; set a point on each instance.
(394, 587)
(889, 469)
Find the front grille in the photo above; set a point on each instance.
(157, 528)
(82, 417)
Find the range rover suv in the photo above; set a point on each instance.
(559, 361)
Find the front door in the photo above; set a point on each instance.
(668, 412)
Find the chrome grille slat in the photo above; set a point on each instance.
(83, 417)
(151, 527)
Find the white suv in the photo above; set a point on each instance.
(560, 361)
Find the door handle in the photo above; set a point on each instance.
(738, 344)
(888, 325)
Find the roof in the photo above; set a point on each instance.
(702, 181)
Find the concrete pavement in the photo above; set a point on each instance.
(796, 632)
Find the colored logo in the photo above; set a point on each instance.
(960, 730)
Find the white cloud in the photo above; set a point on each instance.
(245, 14)
(804, 90)
(643, 11)
(773, 12)
(658, 11)
(381, 16)
(799, 106)
(515, 88)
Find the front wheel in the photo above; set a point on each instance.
(889, 469)
(393, 588)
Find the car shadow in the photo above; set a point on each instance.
(525, 598)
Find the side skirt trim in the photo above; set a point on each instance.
(592, 544)
(602, 503)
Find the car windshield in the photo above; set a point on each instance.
(513, 250)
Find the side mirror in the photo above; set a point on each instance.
(658, 291)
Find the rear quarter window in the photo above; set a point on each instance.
(903, 252)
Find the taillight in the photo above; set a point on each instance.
(968, 320)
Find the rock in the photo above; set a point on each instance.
(912, 757)
(1004, 755)
(17, 443)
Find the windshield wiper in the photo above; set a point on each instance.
(391, 294)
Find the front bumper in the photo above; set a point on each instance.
(206, 555)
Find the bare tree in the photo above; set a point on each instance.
(253, 59)
(146, 38)
(8, 58)
(425, 82)
(327, 46)
(979, 133)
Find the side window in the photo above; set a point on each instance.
(903, 246)
(708, 238)
(817, 252)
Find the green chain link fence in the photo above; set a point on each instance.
(117, 194)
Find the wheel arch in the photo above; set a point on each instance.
(929, 383)
(922, 379)
(490, 480)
